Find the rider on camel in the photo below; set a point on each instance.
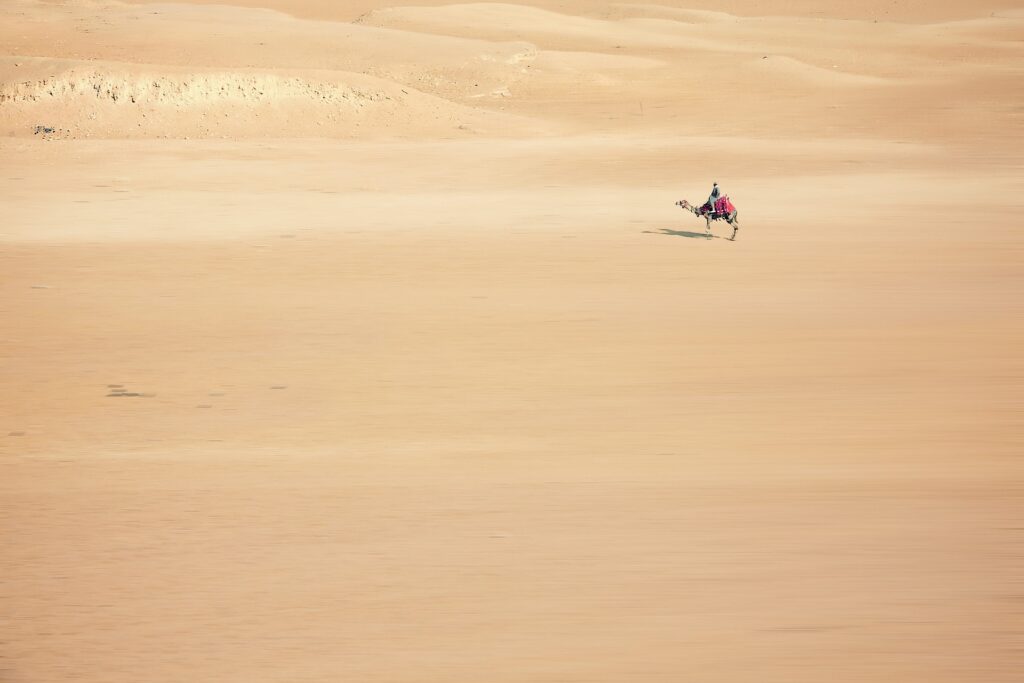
(712, 198)
(717, 207)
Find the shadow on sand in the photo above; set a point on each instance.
(683, 233)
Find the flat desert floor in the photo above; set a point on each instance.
(353, 342)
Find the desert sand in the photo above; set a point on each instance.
(347, 341)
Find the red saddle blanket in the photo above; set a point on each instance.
(722, 206)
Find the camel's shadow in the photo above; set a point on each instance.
(684, 233)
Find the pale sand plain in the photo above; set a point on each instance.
(347, 342)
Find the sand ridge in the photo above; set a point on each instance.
(554, 70)
(117, 100)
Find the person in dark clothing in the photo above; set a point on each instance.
(713, 197)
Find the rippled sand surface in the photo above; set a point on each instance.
(355, 342)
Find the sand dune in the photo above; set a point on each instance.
(217, 59)
(405, 367)
(421, 66)
(96, 99)
(788, 68)
(498, 21)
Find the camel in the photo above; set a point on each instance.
(728, 214)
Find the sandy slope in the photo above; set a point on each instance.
(403, 367)
(106, 69)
